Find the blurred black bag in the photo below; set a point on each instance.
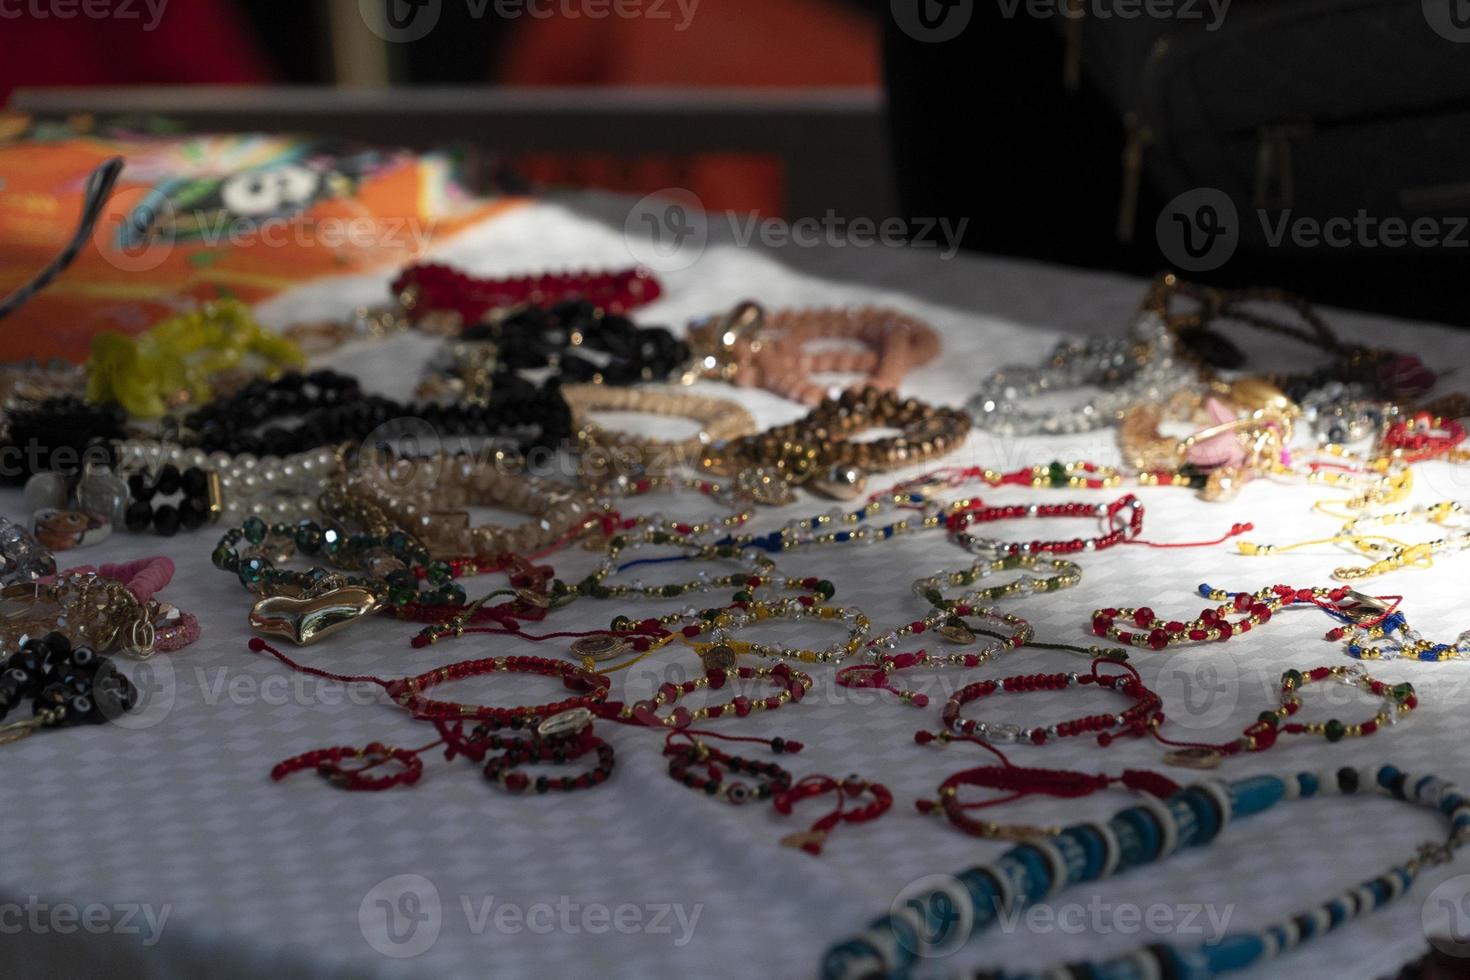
(1300, 111)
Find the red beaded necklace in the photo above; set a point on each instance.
(434, 288)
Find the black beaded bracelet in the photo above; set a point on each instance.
(533, 337)
(328, 408)
(190, 513)
(58, 435)
(66, 685)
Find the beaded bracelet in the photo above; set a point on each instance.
(1389, 552)
(408, 691)
(1136, 720)
(719, 420)
(820, 450)
(812, 840)
(1123, 518)
(750, 346)
(878, 673)
(792, 684)
(1022, 781)
(105, 609)
(195, 506)
(522, 751)
(732, 498)
(937, 920)
(65, 684)
(271, 487)
(1422, 436)
(1403, 643)
(861, 525)
(596, 586)
(391, 562)
(1065, 575)
(684, 759)
(1141, 367)
(330, 409)
(178, 360)
(1056, 475)
(721, 647)
(1154, 633)
(1018, 633)
(430, 288)
(532, 338)
(439, 512)
(328, 764)
(1399, 700)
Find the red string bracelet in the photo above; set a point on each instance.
(1422, 437)
(1144, 628)
(1123, 519)
(692, 754)
(408, 691)
(1135, 721)
(328, 764)
(811, 840)
(1398, 700)
(792, 684)
(1021, 782)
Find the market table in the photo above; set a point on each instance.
(167, 827)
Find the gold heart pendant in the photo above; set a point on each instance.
(305, 621)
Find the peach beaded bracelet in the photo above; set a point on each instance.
(777, 350)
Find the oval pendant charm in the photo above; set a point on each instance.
(718, 657)
(1193, 758)
(568, 722)
(598, 648)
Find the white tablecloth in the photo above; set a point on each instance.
(172, 814)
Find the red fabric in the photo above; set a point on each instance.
(183, 41)
(730, 43)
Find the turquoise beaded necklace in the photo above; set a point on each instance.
(896, 943)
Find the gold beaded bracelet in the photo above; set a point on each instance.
(719, 420)
(819, 451)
